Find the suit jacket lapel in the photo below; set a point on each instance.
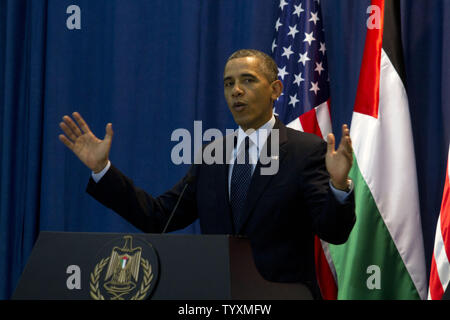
(259, 181)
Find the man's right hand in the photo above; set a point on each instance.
(92, 151)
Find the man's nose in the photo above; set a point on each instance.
(237, 90)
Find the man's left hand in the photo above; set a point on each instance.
(339, 162)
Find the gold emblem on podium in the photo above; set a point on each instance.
(122, 277)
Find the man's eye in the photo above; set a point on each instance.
(249, 80)
(228, 84)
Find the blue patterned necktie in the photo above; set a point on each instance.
(240, 181)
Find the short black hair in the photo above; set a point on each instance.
(268, 65)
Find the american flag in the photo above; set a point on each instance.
(300, 52)
(440, 265)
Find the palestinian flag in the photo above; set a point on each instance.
(384, 256)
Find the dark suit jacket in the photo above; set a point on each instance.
(283, 211)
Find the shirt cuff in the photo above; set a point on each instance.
(342, 195)
(97, 176)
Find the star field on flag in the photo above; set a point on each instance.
(300, 52)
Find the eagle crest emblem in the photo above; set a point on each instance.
(128, 276)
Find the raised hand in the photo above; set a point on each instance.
(339, 162)
(92, 151)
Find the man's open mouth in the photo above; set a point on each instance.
(238, 106)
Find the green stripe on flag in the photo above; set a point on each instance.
(370, 254)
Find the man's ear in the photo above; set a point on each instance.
(277, 89)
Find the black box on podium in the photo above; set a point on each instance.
(110, 266)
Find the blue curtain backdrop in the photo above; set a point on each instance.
(152, 66)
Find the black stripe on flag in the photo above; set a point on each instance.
(392, 40)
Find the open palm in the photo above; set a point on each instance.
(339, 162)
(92, 151)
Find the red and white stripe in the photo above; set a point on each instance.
(318, 121)
(440, 266)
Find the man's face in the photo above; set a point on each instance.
(249, 93)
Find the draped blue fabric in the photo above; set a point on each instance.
(152, 66)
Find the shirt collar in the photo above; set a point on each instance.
(258, 137)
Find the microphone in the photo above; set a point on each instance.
(189, 180)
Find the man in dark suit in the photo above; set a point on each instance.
(308, 193)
